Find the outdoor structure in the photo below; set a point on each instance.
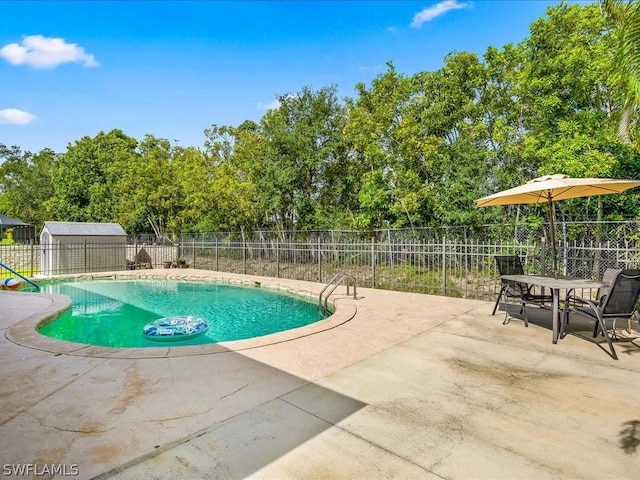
(22, 232)
(76, 247)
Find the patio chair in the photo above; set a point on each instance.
(608, 277)
(512, 265)
(619, 302)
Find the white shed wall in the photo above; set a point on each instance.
(64, 254)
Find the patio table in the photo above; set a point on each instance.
(568, 284)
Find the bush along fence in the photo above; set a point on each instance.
(452, 262)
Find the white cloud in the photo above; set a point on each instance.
(43, 52)
(269, 106)
(276, 104)
(16, 117)
(429, 13)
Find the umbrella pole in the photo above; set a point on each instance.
(552, 235)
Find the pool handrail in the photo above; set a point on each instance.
(21, 276)
(333, 284)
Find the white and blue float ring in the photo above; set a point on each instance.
(175, 328)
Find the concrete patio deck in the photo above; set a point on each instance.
(397, 385)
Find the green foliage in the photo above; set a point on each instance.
(624, 18)
(86, 176)
(8, 238)
(25, 183)
(413, 279)
(407, 151)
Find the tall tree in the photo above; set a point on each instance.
(372, 129)
(501, 109)
(624, 16)
(233, 153)
(301, 138)
(25, 183)
(146, 193)
(569, 99)
(86, 176)
(447, 140)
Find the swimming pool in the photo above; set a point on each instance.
(112, 313)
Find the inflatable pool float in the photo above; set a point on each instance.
(175, 328)
(12, 283)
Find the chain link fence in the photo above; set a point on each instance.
(448, 261)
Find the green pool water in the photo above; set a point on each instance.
(112, 313)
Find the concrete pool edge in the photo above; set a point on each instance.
(24, 332)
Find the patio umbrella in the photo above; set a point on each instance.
(551, 188)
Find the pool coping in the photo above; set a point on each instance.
(24, 332)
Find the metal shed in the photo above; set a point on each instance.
(78, 247)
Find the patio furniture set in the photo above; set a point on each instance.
(612, 298)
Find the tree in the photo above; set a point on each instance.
(86, 176)
(147, 194)
(624, 16)
(25, 183)
(501, 107)
(300, 140)
(233, 208)
(234, 202)
(569, 100)
(372, 130)
(445, 140)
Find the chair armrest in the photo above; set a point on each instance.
(575, 299)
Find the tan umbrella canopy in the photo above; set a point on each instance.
(550, 188)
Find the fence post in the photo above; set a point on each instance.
(32, 247)
(373, 262)
(85, 255)
(217, 269)
(444, 266)
(193, 246)
(319, 261)
(565, 247)
(244, 256)
(543, 256)
(277, 258)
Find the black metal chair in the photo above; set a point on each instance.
(618, 303)
(522, 292)
(608, 277)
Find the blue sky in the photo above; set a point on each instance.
(172, 69)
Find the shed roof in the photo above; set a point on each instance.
(84, 228)
(7, 221)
